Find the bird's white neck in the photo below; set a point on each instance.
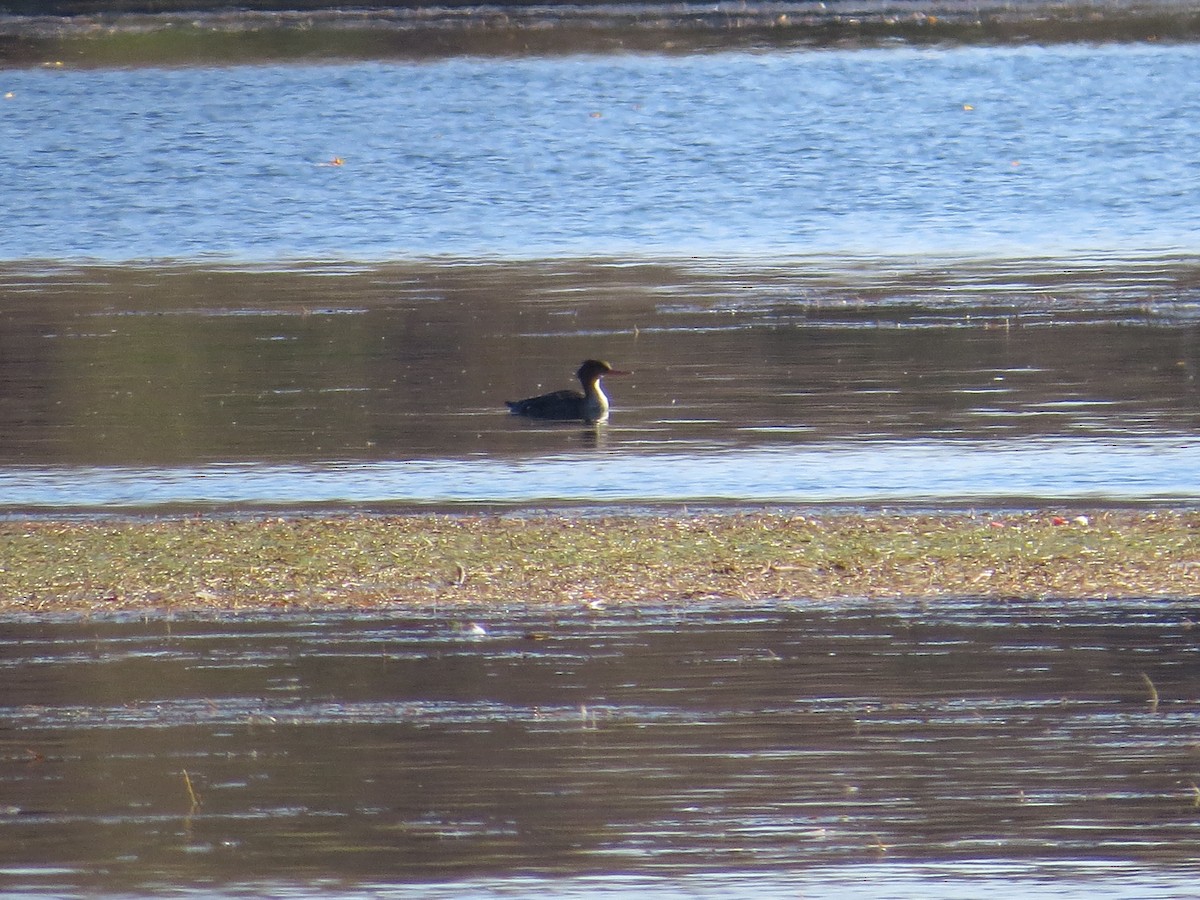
(595, 404)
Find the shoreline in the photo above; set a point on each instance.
(351, 561)
(86, 34)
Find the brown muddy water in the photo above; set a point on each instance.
(806, 380)
(842, 749)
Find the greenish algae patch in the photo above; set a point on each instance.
(349, 561)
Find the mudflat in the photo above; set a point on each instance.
(226, 563)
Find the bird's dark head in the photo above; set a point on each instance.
(593, 369)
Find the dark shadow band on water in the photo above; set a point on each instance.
(804, 381)
(83, 33)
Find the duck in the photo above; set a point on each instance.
(568, 405)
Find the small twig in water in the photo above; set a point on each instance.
(187, 782)
(1153, 701)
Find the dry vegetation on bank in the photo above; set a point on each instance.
(340, 561)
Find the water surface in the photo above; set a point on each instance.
(988, 151)
(947, 274)
(529, 749)
(797, 381)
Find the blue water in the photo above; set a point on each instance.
(1047, 470)
(1017, 151)
(945, 881)
(879, 881)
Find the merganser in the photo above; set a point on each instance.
(591, 406)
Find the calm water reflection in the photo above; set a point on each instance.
(804, 380)
(795, 743)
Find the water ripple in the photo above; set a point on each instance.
(851, 472)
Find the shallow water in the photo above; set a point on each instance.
(960, 274)
(598, 752)
(802, 381)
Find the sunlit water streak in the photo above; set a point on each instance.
(869, 472)
(923, 881)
